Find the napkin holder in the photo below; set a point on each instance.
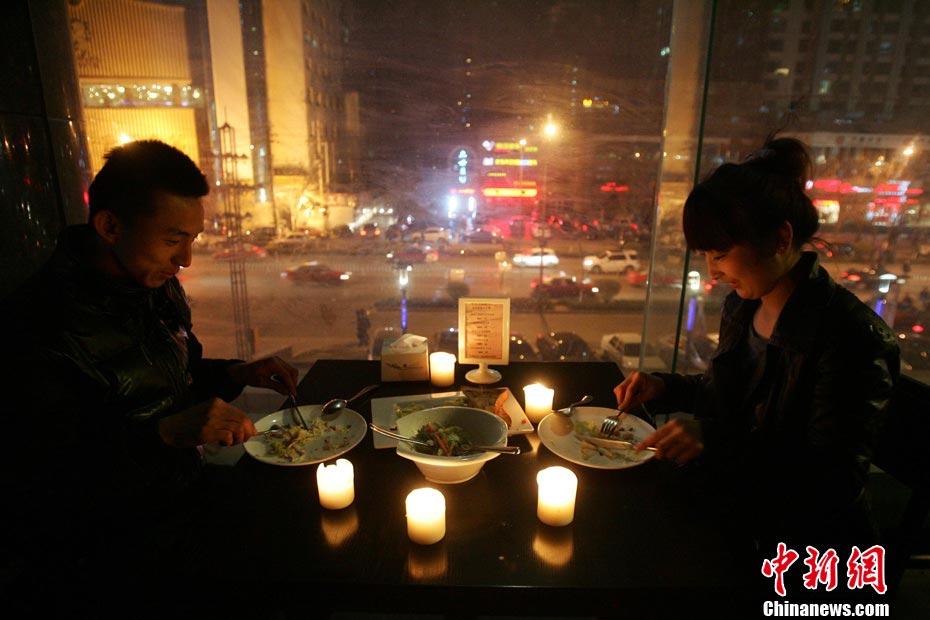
(405, 359)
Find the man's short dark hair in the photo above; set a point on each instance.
(135, 172)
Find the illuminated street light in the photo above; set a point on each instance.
(403, 280)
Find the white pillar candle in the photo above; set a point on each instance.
(557, 487)
(538, 399)
(336, 484)
(426, 516)
(442, 368)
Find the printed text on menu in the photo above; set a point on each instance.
(484, 324)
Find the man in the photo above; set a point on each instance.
(109, 383)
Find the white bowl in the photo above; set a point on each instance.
(482, 427)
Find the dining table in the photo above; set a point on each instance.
(640, 543)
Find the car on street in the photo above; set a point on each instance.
(433, 234)
(206, 241)
(447, 340)
(291, 243)
(612, 261)
(915, 349)
(694, 351)
(481, 235)
(536, 257)
(864, 279)
(260, 235)
(245, 251)
(829, 249)
(410, 254)
(521, 349)
(641, 278)
(562, 287)
(625, 349)
(313, 271)
(563, 347)
(370, 231)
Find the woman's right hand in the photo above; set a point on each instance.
(638, 388)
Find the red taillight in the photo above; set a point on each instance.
(917, 329)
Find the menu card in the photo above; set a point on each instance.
(484, 329)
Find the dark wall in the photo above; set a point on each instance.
(44, 168)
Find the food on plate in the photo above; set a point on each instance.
(489, 399)
(291, 445)
(443, 440)
(412, 406)
(623, 432)
(589, 450)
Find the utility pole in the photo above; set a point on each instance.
(230, 190)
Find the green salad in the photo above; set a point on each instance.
(443, 440)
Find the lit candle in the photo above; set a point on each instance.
(336, 484)
(557, 487)
(426, 516)
(538, 399)
(442, 368)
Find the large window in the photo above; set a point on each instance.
(418, 151)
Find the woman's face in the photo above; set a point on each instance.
(751, 274)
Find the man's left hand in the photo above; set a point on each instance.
(270, 372)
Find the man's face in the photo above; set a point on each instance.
(153, 249)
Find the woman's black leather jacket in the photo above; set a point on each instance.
(803, 442)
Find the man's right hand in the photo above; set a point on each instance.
(214, 420)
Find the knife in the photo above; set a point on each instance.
(615, 444)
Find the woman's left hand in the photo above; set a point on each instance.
(678, 440)
(270, 372)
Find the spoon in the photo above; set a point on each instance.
(501, 449)
(587, 398)
(336, 405)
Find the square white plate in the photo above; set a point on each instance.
(384, 411)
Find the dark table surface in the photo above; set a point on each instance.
(638, 544)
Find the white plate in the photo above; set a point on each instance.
(342, 433)
(557, 432)
(384, 411)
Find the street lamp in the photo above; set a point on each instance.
(403, 279)
(550, 131)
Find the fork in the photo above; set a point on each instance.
(611, 423)
(295, 412)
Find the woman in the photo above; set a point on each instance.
(785, 415)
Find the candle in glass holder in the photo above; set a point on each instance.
(557, 487)
(336, 484)
(442, 368)
(538, 399)
(426, 516)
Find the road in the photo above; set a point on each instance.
(306, 321)
(308, 317)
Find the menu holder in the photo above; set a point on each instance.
(484, 336)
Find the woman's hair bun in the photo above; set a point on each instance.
(784, 156)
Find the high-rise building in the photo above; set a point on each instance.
(143, 73)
